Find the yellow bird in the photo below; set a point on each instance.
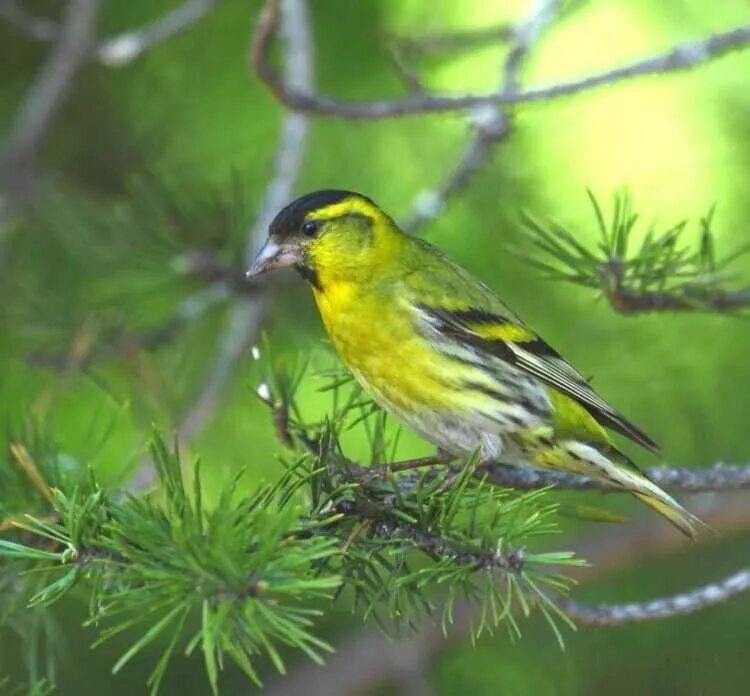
(444, 355)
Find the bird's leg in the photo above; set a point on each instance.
(440, 457)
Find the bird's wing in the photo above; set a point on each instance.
(462, 310)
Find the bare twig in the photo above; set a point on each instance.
(491, 124)
(719, 477)
(124, 48)
(45, 96)
(37, 28)
(450, 41)
(662, 608)
(247, 314)
(119, 49)
(681, 57)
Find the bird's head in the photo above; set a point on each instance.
(329, 235)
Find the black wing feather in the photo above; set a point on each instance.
(537, 358)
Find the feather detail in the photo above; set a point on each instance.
(507, 339)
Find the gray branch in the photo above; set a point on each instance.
(686, 299)
(247, 312)
(119, 49)
(448, 42)
(662, 608)
(126, 47)
(47, 93)
(37, 28)
(719, 477)
(491, 124)
(684, 56)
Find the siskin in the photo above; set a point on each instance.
(437, 349)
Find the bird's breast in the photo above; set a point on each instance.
(375, 337)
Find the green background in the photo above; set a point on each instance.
(172, 153)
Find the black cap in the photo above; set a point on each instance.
(290, 218)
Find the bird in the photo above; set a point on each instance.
(438, 350)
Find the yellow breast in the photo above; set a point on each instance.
(375, 336)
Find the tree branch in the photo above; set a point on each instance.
(126, 47)
(247, 313)
(491, 124)
(367, 659)
(45, 96)
(683, 56)
(37, 28)
(120, 49)
(449, 41)
(719, 477)
(654, 609)
(627, 301)
(658, 274)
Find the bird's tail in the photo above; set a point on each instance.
(615, 468)
(666, 505)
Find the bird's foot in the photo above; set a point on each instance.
(441, 457)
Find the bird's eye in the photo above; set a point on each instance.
(310, 228)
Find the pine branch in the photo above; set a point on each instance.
(367, 660)
(682, 57)
(659, 273)
(244, 565)
(277, 392)
(254, 566)
(190, 250)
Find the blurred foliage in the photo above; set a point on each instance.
(117, 283)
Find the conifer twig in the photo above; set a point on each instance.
(367, 659)
(626, 301)
(656, 273)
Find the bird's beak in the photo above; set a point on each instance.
(274, 255)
